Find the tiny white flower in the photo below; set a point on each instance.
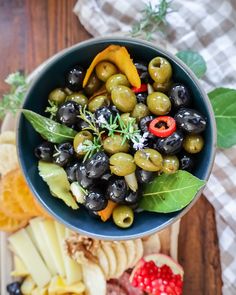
(80, 148)
(145, 134)
(101, 120)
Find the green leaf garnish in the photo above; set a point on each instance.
(56, 178)
(49, 129)
(12, 101)
(170, 192)
(194, 61)
(223, 101)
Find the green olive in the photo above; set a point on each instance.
(93, 85)
(105, 69)
(140, 111)
(170, 164)
(80, 98)
(114, 144)
(162, 87)
(123, 98)
(116, 80)
(193, 143)
(160, 70)
(98, 102)
(123, 216)
(148, 159)
(79, 139)
(57, 96)
(158, 103)
(122, 164)
(125, 118)
(67, 91)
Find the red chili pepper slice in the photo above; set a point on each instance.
(162, 126)
(142, 88)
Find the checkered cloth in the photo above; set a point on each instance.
(208, 27)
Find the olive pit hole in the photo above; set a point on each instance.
(127, 220)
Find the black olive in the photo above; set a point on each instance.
(75, 77)
(179, 96)
(68, 113)
(82, 178)
(93, 214)
(186, 162)
(142, 97)
(170, 145)
(144, 176)
(71, 171)
(14, 288)
(144, 124)
(142, 68)
(190, 120)
(117, 190)
(97, 165)
(63, 154)
(95, 200)
(44, 151)
(132, 198)
(106, 176)
(105, 112)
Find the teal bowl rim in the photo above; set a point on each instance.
(183, 67)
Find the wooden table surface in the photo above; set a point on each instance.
(33, 30)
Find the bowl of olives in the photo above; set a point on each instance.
(116, 138)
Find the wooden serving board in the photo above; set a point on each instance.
(33, 30)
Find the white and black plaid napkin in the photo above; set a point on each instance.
(208, 27)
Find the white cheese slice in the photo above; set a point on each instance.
(26, 250)
(52, 243)
(72, 268)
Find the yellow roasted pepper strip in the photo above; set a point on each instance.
(119, 56)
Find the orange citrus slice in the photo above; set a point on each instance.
(9, 224)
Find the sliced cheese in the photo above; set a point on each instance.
(28, 253)
(52, 243)
(72, 269)
(31, 234)
(19, 268)
(27, 286)
(39, 291)
(41, 244)
(59, 286)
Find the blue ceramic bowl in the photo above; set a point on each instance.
(52, 76)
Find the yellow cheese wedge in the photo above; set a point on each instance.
(19, 268)
(41, 244)
(28, 253)
(27, 286)
(31, 234)
(72, 268)
(59, 286)
(52, 243)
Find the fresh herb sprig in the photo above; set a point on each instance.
(90, 147)
(12, 101)
(51, 109)
(153, 19)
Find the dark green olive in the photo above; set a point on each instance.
(140, 110)
(170, 164)
(79, 140)
(123, 98)
(98, 102)
(160, 70)
(123, 216)
(114, 144)
(80, 98)
(193, 143)
(148, 159)
(57, 96)
(93, 85)
(105, 70)
(162, 87)
(116, 80)
(158, 103)
(122, 164)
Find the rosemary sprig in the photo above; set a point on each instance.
(90, 147)
(153, 19)
(52, 109)
(11, 102)
(89, 118)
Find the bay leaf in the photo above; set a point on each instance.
(170, 192)
(223, 101)
(194, 61)
(49, 129)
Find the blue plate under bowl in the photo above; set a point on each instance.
(53, 76)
